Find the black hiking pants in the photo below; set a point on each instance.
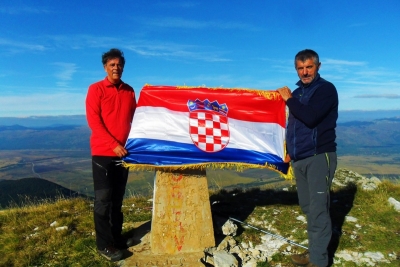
(109, 182)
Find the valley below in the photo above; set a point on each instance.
(60, 154)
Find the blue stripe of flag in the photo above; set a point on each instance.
(167, 153)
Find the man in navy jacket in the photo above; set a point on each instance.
(311, 146)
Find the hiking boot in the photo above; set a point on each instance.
(130, 242)
(124, 243)
(301, 259)
(111, 253)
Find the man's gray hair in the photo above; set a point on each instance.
(305, 54)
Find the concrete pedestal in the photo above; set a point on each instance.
(182, 221)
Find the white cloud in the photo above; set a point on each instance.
(374, 85)
(82, 41)
(181, 4)
(16, 10)
(42, 104)
(146, 48)
(388, 96)
(329, 61)
(16, 46)
(176, 51)
(65, 73)
(379, 73)
(174, 22)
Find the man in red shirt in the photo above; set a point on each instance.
(110, 106)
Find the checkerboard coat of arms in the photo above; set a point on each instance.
(208, 125)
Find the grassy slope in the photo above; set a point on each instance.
(26, 238)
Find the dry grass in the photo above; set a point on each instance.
(371, 164)
(27, 239)
(377, 228)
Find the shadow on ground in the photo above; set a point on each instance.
(342, 201)
(239, 204)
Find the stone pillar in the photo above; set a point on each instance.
(182, 219)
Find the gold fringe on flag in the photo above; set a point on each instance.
(268, 94)
(237, 166)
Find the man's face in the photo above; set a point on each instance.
(114, 70)
(307, 70)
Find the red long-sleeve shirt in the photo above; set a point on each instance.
(109, 112)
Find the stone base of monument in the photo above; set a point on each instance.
(182, 219)
(140, 254)
(181, 225)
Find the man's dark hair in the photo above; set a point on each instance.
(305, 54)
(113, 53)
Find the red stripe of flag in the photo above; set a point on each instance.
(242, 104)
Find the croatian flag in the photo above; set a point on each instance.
(195, 126)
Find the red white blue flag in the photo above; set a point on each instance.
(179, 127)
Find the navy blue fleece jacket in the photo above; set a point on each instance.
(313, 112)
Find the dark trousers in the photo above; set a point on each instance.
(109, 182)
(313, 179)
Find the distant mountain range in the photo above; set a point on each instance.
(363, 115)
(351, 135)
(379, 136)
(49, 137)
(44, 121)
(80, 120)
(31, 190)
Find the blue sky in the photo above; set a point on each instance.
(51, 50)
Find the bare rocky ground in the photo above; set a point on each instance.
(228, 253)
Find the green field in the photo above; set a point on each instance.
(382, 165)
(69, 168)
(72, 169)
